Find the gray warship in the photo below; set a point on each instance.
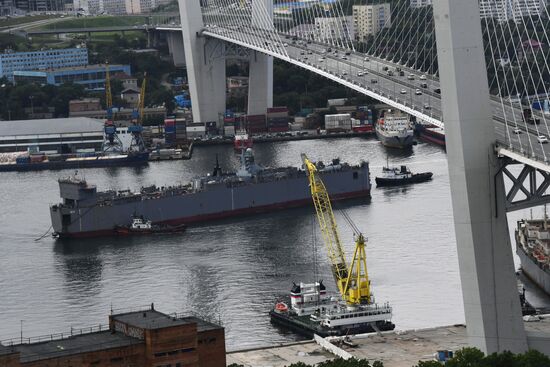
(87, 212)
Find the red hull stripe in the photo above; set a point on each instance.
(227, 214)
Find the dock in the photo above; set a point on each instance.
(394, 349)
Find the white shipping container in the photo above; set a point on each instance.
(296, 126)
(299, 119)
(229, 130)
(336, 102)
(340, 121)
(196, 129)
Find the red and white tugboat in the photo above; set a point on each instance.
(141, 225)
(242, 141)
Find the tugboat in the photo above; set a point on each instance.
(393, 176)
(141, 225)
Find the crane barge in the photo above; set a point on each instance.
(312, 310)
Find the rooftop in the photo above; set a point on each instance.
(74, 345)
(50, 126)
(152, 319)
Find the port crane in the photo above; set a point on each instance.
(111, 141)
(353, 280)
(136, 129)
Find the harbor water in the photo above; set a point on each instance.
(233, 270)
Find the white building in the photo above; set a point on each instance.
(370, 19)
(420, 3)
(504, 10)
(329, 30)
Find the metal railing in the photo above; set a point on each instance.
(57, 336)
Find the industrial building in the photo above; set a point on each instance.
(145, 338)
(92, 77)
(63, 135)
(41, 60)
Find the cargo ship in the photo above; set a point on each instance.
(432, 134)
(395, 129)
(37, 162)
(86, 212)
(533, 249)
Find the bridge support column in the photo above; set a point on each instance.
(175, 47)
(491, 303)
(206, 74)
(260, 82)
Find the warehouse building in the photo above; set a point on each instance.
(92, 77)
(65, 135)
(145, 338)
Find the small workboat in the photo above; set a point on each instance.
(141, 225)
(393, 176)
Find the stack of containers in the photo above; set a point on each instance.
(338, 123)
(211, 128)
(229, 123)
(170, 131)
(277, 119)
(181, 131)
(255, 124)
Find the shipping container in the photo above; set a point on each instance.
(340, 122)
(22, 159)
(277, 109)
(336, 102)
(278, 129)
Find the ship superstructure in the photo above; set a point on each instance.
(85, 211)
(395, 129)
(533, 249)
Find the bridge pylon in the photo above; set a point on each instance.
(205, 73)
(260, 81)
(491, 303)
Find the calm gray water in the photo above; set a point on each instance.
(232, 270)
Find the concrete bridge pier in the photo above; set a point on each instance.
(490, 295)
(260, 83)
(206, 74)
(175, 47)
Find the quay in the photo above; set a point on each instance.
(394, 348)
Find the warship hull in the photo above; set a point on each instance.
(85, 213)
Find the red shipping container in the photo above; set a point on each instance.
(277, 109)
(278, 129)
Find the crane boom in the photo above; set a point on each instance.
(353, 282)
(108, 95)
(141, 106)
(327, 222)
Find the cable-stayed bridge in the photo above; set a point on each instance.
(485, 80)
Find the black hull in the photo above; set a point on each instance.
(308, 329)
(136, 160)
(417, 178)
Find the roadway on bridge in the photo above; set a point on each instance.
(367, 74)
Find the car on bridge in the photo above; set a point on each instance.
(427, 107)
(403, 91)
(418, 92)
(422, 77)
(517, 131)
(542, 139)
(410, 77)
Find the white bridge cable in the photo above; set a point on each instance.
(396, 31)
(514, 87)
(523, 84)
(536, 86)
(493, 58)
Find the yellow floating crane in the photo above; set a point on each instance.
(353, 281)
